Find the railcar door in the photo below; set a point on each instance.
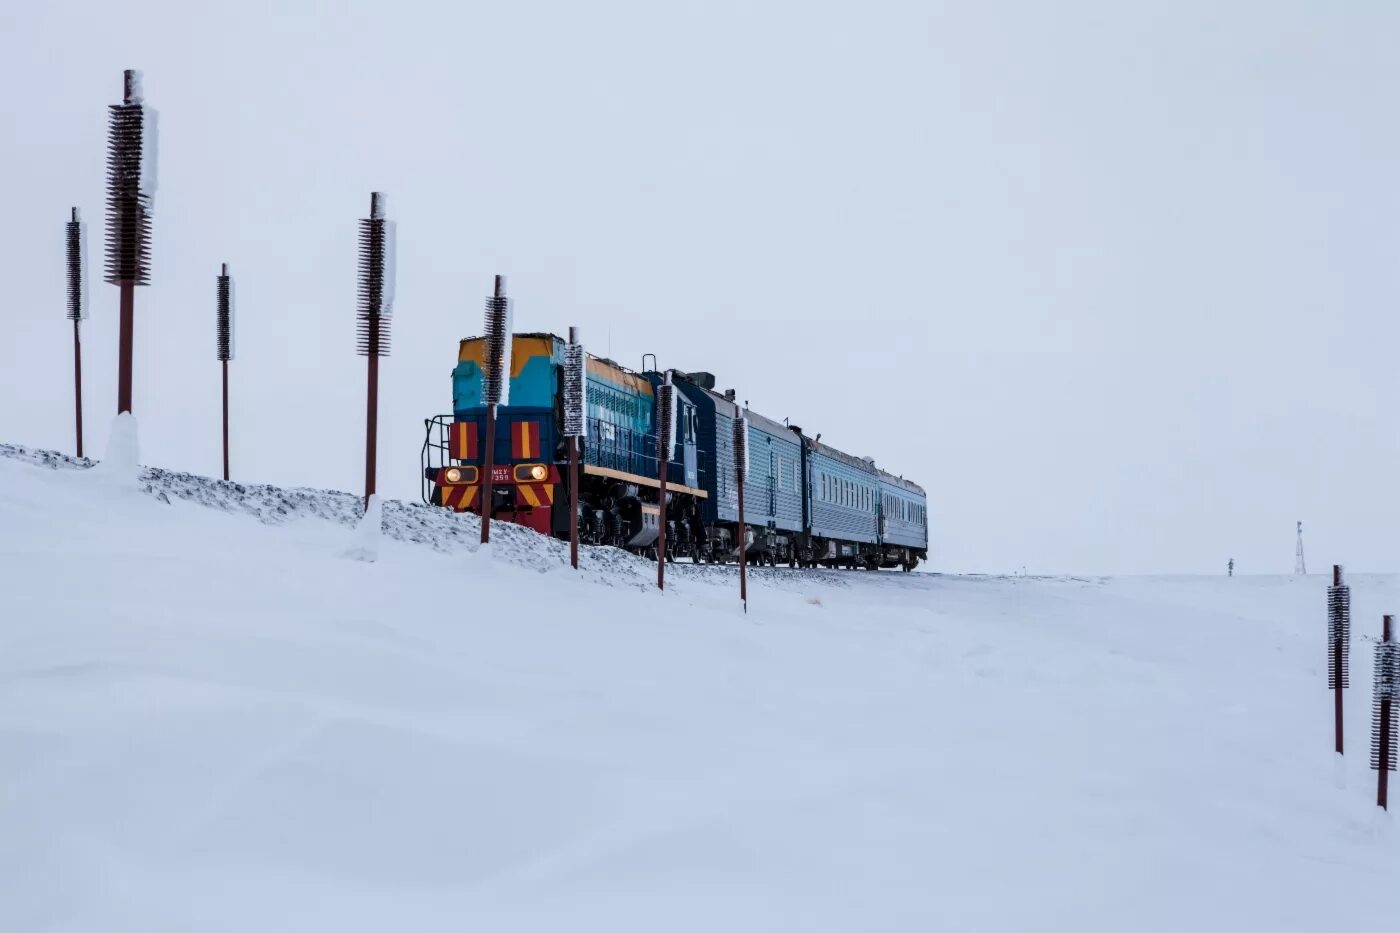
(689, 431)
(772, 482)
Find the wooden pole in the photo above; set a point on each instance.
(78, 384)
(575, 417)
(573, 502)
(1385, 738)
(665, 412)
(487, 493)
(371, 418)
(1337, 661)
(224, 364)
(125, 325)
(743, 547)
(661, 520)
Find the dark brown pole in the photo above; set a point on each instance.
(489, 462)
(743, 546)
(573, 502)
(375, 303)
(574, 422)
(126, 324)
(371, 420)
(661, 524)
(224, 364)
(1337, 692)
(78, 384)
(666, 399)
(1383, 773)
(494, 322)
(1337, 666)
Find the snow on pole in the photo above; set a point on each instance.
(1338, 646)
(368, 533)
(120, 465)
(575, 388)
(495, 389)
(76, 243)
(1384, 708)
(76, 240)
(131, 181)
(375, 296)
(665, 433)
(575, 427)
(223, 338)
(741, 473)
(223, 314)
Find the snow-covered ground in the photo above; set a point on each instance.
(217, 715)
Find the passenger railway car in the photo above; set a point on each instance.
(805, 502)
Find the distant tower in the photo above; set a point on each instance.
(1231, 567)
(1300, 567)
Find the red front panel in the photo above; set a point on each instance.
(525, 440)
(462, 441)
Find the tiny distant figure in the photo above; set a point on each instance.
(1231, 567)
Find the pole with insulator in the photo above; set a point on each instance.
(131, 185)
(223, 335)
(76, 242)
(376, 305)
(665, 439)
(1338, 647)
(741, 474)
(1385, 704)
(495, 390)
(575, 427)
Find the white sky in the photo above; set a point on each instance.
(1115, 282)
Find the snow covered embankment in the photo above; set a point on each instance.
(211, 720)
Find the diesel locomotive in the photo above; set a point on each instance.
(806, 504)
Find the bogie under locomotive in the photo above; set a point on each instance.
(806, 504)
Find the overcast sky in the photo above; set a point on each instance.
(1116, 282)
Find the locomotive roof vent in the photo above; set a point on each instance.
(703, 380)
(729, 394)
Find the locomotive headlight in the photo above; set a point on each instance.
(453, 475)
(538, 471)
(530, 472)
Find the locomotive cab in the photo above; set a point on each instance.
(619, 481)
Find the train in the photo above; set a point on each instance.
(806, 504)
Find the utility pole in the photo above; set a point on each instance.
(741, 475)
(77, 309)
(223, 336)
(495, 390)
(130, 194)
(665, 434)
(1300, 566)
(1338, 647)
(376, 305)
(575, 393)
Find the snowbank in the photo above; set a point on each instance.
(212, 721)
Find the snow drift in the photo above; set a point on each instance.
(210, 720)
